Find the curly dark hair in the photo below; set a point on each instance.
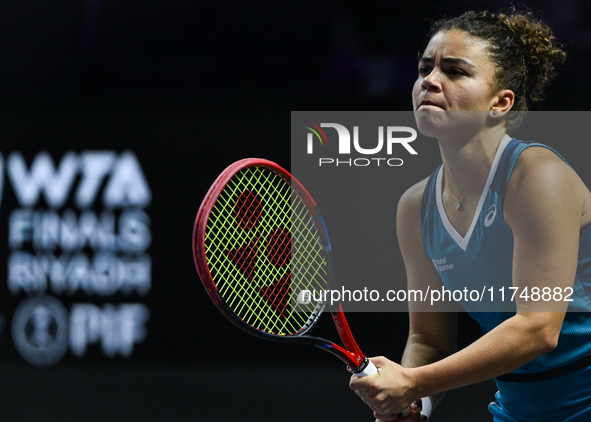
(522, 47)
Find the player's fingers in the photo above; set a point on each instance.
(378, 361)
(361, 384)
(365, 383)
(357, 389)
(411, 416)
(417, 408)
(370, 400)
(354, 383)
(371, 403)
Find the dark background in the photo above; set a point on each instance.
(191, 86)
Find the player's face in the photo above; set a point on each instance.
(456, 74)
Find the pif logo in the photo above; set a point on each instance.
(387, 137)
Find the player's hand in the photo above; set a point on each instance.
(413, 416)
(389, 392)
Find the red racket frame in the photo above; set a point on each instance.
(351, 354)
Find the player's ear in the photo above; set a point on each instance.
(502, 103)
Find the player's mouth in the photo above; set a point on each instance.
(428, 103)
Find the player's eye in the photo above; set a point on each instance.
(424, 70)
(454, 71)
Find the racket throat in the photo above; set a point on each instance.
(362, 367)
(345, 333)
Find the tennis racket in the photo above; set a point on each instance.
(264, 256)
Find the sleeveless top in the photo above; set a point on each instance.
(482, 261)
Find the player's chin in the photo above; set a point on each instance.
(430, 123)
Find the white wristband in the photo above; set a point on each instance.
(426, 406)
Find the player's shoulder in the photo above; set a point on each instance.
(538, 155)
(542, 180)
(539, 164)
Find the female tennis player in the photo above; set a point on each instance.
(496, 210)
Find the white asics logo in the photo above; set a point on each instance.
(490, 217)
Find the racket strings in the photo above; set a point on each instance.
(241, 297)
(277, 293)
(262, 248)
(308, 260)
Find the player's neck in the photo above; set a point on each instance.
(466, 160)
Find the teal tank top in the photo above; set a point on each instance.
(481, 261)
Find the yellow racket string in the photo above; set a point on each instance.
(262, 248)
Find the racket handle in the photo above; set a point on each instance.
(368, 370)
(371, 369)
